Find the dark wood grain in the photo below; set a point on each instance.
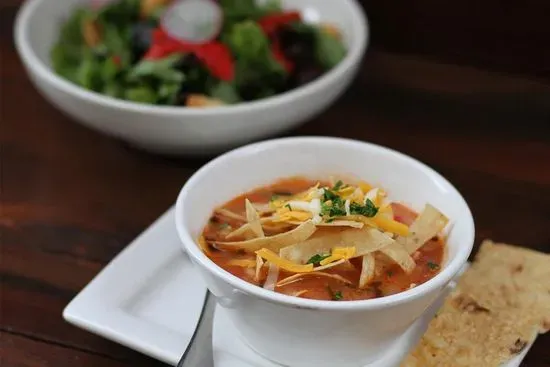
(504, 35)
(71, 199)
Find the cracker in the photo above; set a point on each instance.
(500, 304)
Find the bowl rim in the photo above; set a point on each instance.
(33, 62)
(438, 282)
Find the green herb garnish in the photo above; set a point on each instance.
(389, 273)
(274, 197)
(330, 195)
(288, 206)
(432, 265)
(339, 184)
(336, 296)
(316, 259)
(368, 210)
(336, 207)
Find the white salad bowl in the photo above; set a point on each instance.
(181, 130)
(300, 332)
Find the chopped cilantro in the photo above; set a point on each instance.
(368, 210)
(316, 259)
(338, 185)
(336, 207)
(432, 265)
(274, 197)
(336, 296)
(288, 206)
(389, 273)
(330, 195)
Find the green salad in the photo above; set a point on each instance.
(195, 53)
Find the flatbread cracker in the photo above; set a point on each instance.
(500, 304)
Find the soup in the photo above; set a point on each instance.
(325, 240)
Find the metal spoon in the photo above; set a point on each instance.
(199, 352)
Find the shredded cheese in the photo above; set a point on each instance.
(365, 187)
(346, 191)
(390, 225)
(283, 263)
(293, 216)
(339, 253)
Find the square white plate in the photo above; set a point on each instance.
(149, 298)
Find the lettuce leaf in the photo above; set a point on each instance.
(330, 50)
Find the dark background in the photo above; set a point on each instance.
(462, 86)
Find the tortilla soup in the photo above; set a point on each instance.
(332, 240)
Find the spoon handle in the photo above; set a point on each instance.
(199, 353)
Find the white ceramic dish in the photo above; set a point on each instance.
(313, 330)
(159, 322)
(184, 130)
(148, 298)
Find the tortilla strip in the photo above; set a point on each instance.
(264, 208)
(246, 228)
(296, 277)
(276, 242)
(337, 223)
(243, 263)
(427, 225)
(330, 265)
(229, 214)
(272, 276)
(253, 219)
(364, 240)
(367, 270)
(500, 304)
(299, 293)
(204, 245)
(397, 253)
(259, 265)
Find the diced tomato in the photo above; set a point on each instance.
(403, 214)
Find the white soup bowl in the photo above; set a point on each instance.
(183, 130)
(301, 332)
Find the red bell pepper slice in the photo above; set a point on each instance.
(270, 23)
(280, 57)
(217, 58)
(215, 55)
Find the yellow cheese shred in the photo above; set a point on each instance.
(346, 191)
(293, 215)
(344, 252)
(365, 187)
(390, 225)
(283, 263)
(339, 253)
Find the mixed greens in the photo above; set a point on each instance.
(126, 49)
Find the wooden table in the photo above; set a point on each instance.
(72, 198)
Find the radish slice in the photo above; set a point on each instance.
(194, 21)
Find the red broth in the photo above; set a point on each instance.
(389, 278)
